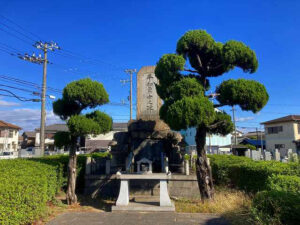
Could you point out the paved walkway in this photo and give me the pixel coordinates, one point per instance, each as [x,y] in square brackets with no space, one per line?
[136,218]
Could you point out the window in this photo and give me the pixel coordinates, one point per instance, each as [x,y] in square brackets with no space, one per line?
[11,133]
[274,130]
[298,128]
[279,146]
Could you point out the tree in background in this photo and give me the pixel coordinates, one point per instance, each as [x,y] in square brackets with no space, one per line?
[78,96]
[184,91]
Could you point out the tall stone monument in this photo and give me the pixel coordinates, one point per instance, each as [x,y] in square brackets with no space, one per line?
[148,102]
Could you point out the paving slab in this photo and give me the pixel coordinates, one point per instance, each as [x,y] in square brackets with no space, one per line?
[136,218]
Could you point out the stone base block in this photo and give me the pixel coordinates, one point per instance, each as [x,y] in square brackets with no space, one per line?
[142,207]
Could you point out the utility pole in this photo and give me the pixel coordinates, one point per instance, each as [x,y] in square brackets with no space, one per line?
[233,117]
[44,47]
[130,72]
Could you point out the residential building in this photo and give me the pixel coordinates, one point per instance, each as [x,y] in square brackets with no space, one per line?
[101,142]
[50,131]
[9,137]
[28,139]
[283,133]
[213,141]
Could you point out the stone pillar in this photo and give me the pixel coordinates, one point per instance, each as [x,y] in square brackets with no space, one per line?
[107,167]
[123,199]
[164,195]
[186,167]
[88,165]
[166,164]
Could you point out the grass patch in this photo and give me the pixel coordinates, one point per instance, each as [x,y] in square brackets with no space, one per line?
[234,205]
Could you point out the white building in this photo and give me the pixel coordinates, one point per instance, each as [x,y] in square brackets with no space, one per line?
[283,133]
[9,135]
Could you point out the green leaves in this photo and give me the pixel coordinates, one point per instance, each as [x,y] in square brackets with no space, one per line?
[222,124]
[102,119]
[238,54]
[211,58]
[86,93]
[80,125]
[186,87]
[77,96]
[188,112]
[248,94]
[62,139]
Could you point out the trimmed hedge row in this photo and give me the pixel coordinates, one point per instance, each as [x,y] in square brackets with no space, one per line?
[62,161]
[276,207]
[246,174]
[279,183]
[25,187]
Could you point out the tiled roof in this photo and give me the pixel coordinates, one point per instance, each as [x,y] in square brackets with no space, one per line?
[30,134]
[4,124]
[284,119]
[54,128]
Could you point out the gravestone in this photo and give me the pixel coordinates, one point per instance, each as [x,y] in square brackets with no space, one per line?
[276,155]
[148,102]
[267,156]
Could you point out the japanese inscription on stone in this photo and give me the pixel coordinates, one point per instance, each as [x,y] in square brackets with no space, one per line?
[148,102]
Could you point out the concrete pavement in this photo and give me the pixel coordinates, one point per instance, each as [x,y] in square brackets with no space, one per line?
[136,218]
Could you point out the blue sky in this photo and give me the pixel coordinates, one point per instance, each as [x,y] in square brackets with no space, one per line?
[132,34]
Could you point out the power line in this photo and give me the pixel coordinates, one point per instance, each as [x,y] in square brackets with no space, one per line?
[23,99]
[27,83]
[22,28]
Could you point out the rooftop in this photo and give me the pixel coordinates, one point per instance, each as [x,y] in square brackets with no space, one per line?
[54,128]
[4,124]
[289,118]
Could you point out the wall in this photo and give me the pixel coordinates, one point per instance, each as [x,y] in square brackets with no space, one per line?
[288,134]
[108,185]
[9,143]
[215,140]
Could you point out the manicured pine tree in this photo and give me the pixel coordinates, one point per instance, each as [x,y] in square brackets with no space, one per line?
[183,85]
[78,96]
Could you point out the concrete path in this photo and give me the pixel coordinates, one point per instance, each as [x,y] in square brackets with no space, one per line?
[136,218]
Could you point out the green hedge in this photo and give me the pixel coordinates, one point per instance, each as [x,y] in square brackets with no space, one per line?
[244,173]
[62,161]
[284,183]
[279,183]
[25,187]
[276,207]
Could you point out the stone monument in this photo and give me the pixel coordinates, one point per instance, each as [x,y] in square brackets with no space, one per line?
[148,102]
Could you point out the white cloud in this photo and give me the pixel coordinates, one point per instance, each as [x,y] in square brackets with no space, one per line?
[243,119]
[28,119]
[8,104]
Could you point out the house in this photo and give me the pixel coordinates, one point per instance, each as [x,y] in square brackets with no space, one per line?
[28,139]
[283,133]
[101,142]
[255,135]
[50,131]
[9,137]
[213,142]
[257,143]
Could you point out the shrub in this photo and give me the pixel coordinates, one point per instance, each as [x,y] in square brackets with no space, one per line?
[247,174]
[25,187]
[62,161]
[276,207]
[284,183]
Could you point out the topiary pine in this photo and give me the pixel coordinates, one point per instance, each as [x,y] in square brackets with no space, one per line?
[78,96]
[184,91]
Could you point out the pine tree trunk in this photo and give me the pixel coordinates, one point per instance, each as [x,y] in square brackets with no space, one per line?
[71,195]
[203,169]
